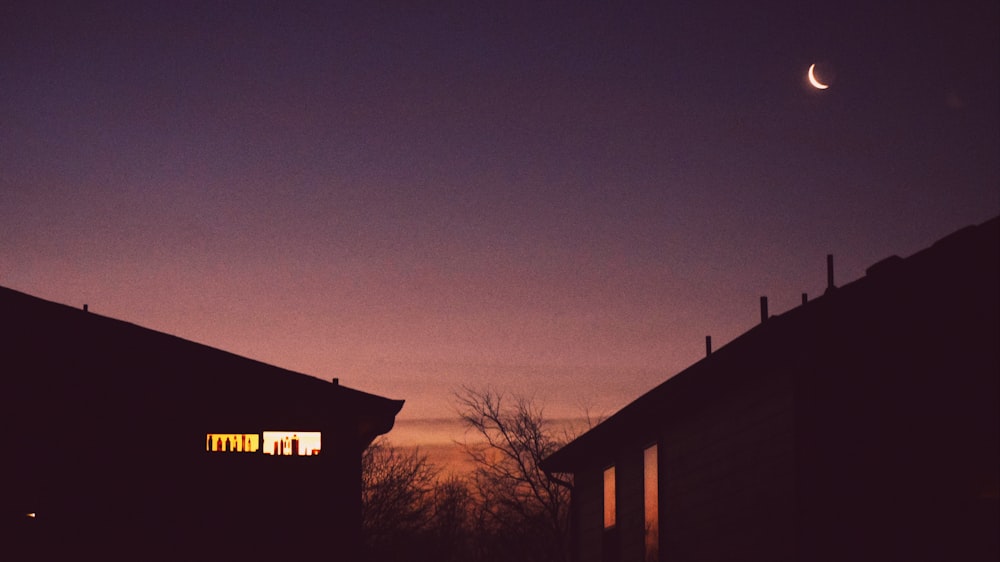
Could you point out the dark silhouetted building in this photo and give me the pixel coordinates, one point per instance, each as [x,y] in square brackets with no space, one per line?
[123,443]
[862,425]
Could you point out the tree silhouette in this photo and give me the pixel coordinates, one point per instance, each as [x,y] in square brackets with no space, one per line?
[396,498]
[411,513]
[450,533]
[507,509]
[522,513]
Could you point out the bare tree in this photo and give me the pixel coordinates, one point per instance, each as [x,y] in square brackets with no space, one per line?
[410,512]
[451,535]
[397,498]
[507,509]
[525,511]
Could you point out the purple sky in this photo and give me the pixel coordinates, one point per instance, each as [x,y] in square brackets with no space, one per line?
[559,199]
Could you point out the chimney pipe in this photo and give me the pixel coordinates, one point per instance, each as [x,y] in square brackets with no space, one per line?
[805,298]
[708,345]
[829,272]
[85,308]
[763,309]
[336,381]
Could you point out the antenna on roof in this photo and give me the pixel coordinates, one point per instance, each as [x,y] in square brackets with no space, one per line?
[829,273]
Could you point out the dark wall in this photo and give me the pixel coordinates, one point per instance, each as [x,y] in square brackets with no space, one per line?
[726,472]
[863,425]
[105,440]
[727,475]
[898,421]
[588,514]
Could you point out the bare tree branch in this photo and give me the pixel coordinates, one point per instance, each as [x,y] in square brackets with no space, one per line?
[515,493]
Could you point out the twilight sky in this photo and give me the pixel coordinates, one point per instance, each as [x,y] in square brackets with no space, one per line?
[555,198]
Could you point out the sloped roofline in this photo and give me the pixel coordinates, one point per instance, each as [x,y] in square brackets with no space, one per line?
[384,408]
[605,436]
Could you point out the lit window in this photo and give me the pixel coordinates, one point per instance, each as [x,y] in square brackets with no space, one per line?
[292,443]
[609,497]
[279,443]
[232,442]
[651,503]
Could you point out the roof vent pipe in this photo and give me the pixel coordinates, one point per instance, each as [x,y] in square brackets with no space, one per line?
[763,309]
[805,298]
[708,345]
[85,308]
[829,273]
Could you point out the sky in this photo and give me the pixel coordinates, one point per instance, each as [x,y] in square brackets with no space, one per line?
[556,199]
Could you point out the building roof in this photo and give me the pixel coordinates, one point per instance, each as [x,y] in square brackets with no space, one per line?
[962,266]
[62,361]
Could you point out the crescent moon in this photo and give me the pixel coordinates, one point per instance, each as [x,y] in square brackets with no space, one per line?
[812,79]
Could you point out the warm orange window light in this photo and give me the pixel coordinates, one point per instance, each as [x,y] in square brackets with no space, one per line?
[609,497]
[232,442]
[292,443]
[651,503]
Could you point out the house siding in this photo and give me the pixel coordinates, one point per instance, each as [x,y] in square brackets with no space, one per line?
[631,506]
[863,425]
[726,482]
[727,477]
[588,505]
[108,427]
